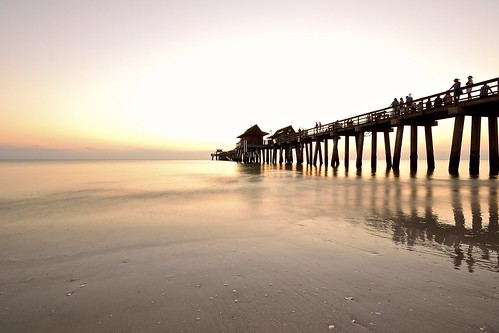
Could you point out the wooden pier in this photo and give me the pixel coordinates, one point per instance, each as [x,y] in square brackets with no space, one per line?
[311,145]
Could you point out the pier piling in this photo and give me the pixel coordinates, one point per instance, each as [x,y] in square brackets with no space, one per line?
[476,123]
[388,152]
[457,139]
[398,147]
[347,151]
[430,155]
[374,150]
[493,146]
[360,148]
[414,148]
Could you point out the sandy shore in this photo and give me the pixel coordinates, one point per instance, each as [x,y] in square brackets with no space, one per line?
[298,277]
[241,255]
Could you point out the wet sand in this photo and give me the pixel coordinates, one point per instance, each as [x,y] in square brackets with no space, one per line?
[211,262]
[241,277]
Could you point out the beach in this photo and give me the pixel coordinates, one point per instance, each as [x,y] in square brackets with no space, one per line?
[211,246]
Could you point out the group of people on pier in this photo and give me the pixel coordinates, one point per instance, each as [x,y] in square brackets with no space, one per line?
[408,106]
[400,107]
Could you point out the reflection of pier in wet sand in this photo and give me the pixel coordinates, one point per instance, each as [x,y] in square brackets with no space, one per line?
[470,238]
[414,222]
[465,227]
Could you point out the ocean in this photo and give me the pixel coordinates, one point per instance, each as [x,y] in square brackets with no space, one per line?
[407,208]
[66,226]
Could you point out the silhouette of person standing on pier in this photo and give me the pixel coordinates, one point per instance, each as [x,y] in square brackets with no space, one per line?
[457,90]
[468,86]
[395,106]
[484,90]
[408,102]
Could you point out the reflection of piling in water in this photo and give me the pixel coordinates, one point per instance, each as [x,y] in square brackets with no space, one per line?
[476,212]
[457,207]
[410,227]
[493,211]
[429,216]
[405,210]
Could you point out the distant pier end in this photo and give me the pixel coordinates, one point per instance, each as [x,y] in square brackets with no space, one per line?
[217,154]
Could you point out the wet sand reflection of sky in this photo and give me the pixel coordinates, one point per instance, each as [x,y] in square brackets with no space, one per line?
[454,217]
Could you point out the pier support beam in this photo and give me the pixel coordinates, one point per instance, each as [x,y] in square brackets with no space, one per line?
[326,158]
[430,155]
[398,147]
[335,159]
[476,123]
[493,146]
[388,151]
[360,147]
[457,139]
[414,148]
[299,153]
[316,153]
[347,151]
[374,150]
[307,152]
[319,145]
[311,153]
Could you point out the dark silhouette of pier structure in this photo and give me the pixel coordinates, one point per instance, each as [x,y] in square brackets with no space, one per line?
[311,145]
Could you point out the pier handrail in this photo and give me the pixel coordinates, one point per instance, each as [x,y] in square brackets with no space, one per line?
[418,106]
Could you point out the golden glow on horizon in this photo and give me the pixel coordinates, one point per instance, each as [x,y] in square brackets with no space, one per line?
[193,81]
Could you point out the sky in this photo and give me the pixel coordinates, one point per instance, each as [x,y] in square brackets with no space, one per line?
[177,79]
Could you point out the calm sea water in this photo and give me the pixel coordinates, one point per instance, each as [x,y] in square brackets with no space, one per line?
[51,208]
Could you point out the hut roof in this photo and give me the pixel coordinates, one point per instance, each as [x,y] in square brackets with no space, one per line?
[253,130]
[284,130]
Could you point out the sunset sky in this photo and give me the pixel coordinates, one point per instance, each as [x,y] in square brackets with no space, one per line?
[180,78]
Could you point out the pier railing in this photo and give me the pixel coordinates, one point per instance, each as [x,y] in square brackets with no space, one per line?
[418,106]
